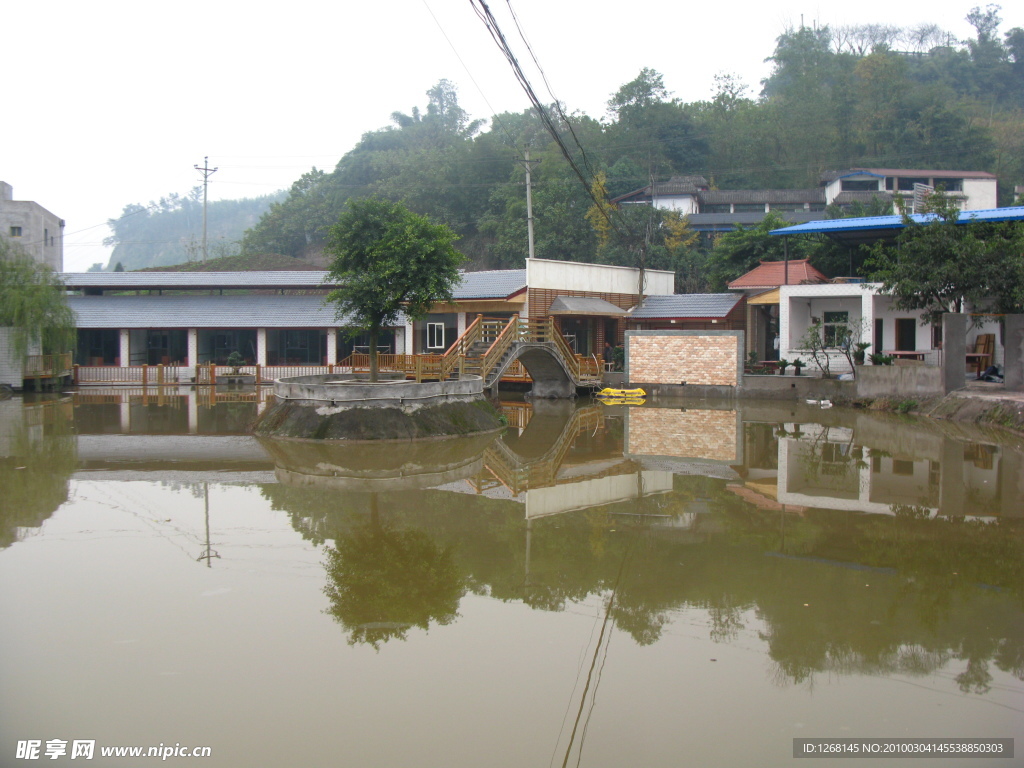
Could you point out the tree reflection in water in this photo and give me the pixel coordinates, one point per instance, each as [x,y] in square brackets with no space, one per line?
[826,591]
[383,581]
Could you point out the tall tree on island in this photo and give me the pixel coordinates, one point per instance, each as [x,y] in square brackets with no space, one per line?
[388,260]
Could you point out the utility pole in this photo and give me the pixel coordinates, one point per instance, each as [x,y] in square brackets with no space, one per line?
[528,164]
[206,170]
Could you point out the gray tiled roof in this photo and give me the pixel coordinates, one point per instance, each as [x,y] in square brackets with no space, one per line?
[203,311]
[689,305]
[584,305]
[763,196]
[677,185]
[131,281]
[492,284]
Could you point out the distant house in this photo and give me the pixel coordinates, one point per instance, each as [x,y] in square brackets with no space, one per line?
[760,286]
[720,210]
[37,231]
[971,190]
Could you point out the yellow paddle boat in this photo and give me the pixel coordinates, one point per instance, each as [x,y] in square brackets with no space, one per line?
[622,400]
[619,393]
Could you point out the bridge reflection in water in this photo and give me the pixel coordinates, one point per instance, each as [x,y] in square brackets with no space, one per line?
[557,456]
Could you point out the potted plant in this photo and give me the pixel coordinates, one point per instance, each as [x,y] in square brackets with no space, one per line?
[798,364]
[235,361]
[752,363]
[783,365]
[858,352]
[877,358]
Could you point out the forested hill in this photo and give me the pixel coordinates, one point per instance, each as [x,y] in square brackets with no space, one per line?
[171,231]
[872,96]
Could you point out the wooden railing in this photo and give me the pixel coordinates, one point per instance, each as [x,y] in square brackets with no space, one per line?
[455,357]
[499,334]
[503,339]
[41,366]
[158,375]
[541,472]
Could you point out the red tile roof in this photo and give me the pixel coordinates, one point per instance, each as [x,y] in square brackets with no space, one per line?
[772,274]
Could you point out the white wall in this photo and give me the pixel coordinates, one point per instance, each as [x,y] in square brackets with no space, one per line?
[42,235]
[981,194]
[11,366]
[596,278]
[798,304]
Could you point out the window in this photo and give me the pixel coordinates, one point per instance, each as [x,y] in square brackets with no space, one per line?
[435,336]
[15,231]
[836,328]
[949,184]
[859,185]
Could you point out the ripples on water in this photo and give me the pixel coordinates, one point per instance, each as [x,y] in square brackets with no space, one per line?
[601,586]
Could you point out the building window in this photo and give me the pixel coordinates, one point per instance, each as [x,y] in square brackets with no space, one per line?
[859,185]
[15,231]
[948,184]
[435,336]
[836,328]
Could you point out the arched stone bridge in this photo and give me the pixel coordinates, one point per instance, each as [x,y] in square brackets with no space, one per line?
[489,347]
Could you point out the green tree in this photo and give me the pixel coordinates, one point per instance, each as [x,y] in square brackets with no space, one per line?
[386,260]
[944,266]
[739,251]
[32,303]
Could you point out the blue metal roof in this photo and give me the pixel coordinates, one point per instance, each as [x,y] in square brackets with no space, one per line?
[878,223]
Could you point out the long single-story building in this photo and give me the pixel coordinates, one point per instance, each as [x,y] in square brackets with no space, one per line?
[189,319]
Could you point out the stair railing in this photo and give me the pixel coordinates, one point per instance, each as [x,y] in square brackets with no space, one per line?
[456,354]
[509,334]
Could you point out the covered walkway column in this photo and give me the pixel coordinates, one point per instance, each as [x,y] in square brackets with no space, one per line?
[332,346]
[124,347]
[192,359]
[261,346]
[408,337]
[866,333]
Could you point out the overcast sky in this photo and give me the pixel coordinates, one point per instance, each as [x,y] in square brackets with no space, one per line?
[112,103]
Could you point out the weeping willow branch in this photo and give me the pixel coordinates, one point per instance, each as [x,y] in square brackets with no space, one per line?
[32,304]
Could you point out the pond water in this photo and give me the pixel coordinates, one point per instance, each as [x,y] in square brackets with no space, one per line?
[599,586]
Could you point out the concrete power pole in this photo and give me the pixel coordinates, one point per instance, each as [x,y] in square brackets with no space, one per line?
[206,170]
[528,164]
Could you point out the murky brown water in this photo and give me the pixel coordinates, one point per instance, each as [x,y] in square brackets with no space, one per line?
[598,587]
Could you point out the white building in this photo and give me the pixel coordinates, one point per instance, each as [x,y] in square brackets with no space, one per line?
[971,190]
[38,232]
[872,317]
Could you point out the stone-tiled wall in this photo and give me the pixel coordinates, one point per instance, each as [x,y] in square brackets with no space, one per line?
[709,358]
[690,434]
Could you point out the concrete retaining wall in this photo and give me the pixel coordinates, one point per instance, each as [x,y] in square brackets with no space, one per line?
[900,381]
[325,407]
[345,389]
